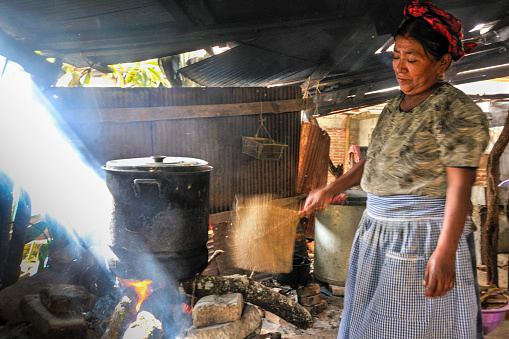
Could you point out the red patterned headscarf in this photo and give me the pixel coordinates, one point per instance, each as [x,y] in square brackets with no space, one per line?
[442,22]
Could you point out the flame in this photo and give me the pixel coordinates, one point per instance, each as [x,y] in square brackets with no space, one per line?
[186,308]
[211,227]
[142,289]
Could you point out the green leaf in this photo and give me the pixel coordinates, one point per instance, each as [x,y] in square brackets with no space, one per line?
[75,80]
[155,74]
[121,81]
[144,80]
[87,79]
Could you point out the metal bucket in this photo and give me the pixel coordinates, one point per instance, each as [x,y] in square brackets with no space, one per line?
[335,229]
[160,210]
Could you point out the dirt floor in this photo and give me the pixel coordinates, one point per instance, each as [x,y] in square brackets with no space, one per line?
[327,323]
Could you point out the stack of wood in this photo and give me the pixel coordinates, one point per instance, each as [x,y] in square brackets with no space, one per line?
[58,310]
[311,298]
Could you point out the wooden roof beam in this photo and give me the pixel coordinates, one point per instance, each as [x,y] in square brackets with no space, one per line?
[217,33]
[176,12]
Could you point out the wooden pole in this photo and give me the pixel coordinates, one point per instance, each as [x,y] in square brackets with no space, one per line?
[492,220]
[347,141]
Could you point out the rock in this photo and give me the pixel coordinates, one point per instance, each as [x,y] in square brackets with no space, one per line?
[271,335]
[61,298]
[255,333]
[11,296]
[52,325]
[239,329]
[218,309]
[337,290]
[146,326]
[274,318]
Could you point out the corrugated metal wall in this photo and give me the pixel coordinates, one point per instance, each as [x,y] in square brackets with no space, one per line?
[216,140]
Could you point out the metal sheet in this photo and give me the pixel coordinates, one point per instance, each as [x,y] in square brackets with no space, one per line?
[216,140]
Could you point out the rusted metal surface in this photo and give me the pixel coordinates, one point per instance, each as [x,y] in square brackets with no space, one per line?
[216,140]
[313,166]
[314,156]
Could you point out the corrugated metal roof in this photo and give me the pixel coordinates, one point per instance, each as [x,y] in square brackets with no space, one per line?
[246,66]
[281,58]
[281,42]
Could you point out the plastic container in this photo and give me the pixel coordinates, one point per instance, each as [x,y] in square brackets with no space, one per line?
[492,318]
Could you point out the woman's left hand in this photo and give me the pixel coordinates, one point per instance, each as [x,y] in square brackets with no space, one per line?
[440,273]
[441,269]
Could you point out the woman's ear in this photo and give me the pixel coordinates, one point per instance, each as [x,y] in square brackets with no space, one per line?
[445,62]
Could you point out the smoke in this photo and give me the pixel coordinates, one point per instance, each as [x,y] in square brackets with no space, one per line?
[40,153]
[40,158]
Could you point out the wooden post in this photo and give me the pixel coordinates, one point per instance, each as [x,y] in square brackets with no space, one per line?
[492,222]
[347,141]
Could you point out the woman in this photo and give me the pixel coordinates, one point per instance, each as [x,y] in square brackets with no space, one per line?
[412,267]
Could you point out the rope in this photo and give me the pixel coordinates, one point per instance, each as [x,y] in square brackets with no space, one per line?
[262,120]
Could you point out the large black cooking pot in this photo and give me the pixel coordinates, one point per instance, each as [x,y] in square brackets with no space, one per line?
[160,208]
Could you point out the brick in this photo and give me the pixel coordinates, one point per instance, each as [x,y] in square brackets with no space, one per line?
[309,290]
[52,325]
[218,309]
[311,300]
[337,290]
[318,308]
[241,328]
[275,319]
[271,335]
[60,298]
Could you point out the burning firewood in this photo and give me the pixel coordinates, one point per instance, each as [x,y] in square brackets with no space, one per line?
[252,292]
[121,312]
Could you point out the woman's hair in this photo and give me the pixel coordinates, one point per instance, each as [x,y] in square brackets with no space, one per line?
[437,31]
[433,43]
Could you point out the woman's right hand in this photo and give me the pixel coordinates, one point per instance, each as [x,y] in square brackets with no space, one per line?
[317,200]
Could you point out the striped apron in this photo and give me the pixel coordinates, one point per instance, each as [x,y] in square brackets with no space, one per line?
[384,295]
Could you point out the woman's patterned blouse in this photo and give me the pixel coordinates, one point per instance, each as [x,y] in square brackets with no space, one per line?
[409,151]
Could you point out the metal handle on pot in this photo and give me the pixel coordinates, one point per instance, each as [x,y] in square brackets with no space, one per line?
[138,182]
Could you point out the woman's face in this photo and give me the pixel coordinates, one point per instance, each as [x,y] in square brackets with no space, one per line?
[415,71]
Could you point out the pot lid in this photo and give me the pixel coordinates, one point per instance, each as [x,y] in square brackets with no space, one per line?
[158,163]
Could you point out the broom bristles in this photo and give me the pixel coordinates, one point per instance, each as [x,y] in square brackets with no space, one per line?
[263,235]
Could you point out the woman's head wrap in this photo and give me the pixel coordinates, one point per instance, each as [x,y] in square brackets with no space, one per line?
[442,22]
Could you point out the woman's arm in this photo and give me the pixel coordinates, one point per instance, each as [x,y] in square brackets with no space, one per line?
[441,269]
[318,199]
